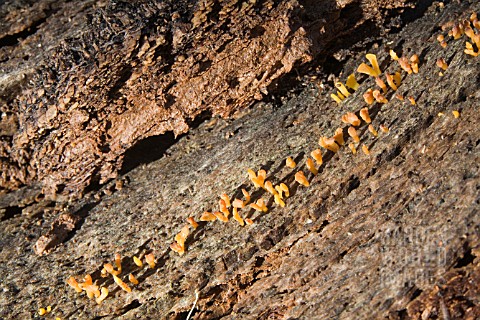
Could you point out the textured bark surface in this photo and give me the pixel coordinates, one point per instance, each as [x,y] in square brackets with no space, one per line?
[394,234]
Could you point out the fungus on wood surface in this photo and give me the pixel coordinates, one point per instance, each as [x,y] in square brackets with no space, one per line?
[352,82]
[132,279]
[329,144]
[352,148]
[365,115]
[341,87]
[351,118]
[192,222]
[379,97]
[150,258]
[368,96]
[365,149]
[300,178]
[290,163]
[384,128]
[381,84]
[352,132]
[237,217]
[72,282]
[220,216]
[208,216]
[137,261]
[311,166]
[121,284]
[338,137]
[390,82]
[102,296]
[317,155]
[372,130]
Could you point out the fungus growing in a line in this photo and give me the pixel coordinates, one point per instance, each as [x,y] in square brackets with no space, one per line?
[338,137]
[381,84]
[285,190]
[248,221]
[192,222]
[390,82]
[259,205]
[300,178]
[177,248]
[237,216]
[150,258]
[365,149]
[365,115]
[74,284]
[42,311]
[89,287]
[353,133]
[397,78]
[372,130]
[456,114]
[137,261]
[317,155]
[311,166]
[366,69]
[290,163]
[342,89]
[351,118]
[352,148]
[470,50]
[132,279]
[441,63]
[122,284]
[257,180]
[399,96]
[102,296]
[352,82]
[380,98]
[368,96]
[338,99]
[208,216]
[329,144]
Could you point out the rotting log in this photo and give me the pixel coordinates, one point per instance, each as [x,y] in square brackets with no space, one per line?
[84,81]
[394,234]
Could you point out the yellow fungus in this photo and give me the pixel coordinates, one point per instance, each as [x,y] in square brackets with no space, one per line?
[456,114]
[132,279]
[342,89]
[208,216]
[365,115]
[399,96]
[137,261]
[300,178]
[412,100]
[74,284]
[255,180]
[226,198]
[121,284]
[441,63]
[352,82]
[237,217]
[317,155]
[456,32]
[336,98]
[192,222]
[441,114]
[373,61]
[365,149]
[329,144]
[278,200]
[261,176]
[352,132]
[49,309]
[351,118]
[469,50]
[249,221]
[269,187]
[118,262]
[393,55]
[368,96]
[390,82]
[372,130]
[380,98]
[397,78]
[384,128]
[352,148]
[338,137]
[42,311]
[311,166]
[102,296]
[110,269]
[366,69]
[340,95]
[237,203]
[284,188]
[405,65]
[381,84]
[223,207]
[414,63]
[220,216]
[279,191]
[290,163]
[246,195]
[150,258]
[177,248]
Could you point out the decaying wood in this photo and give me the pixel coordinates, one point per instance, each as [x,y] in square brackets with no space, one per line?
[393,234]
